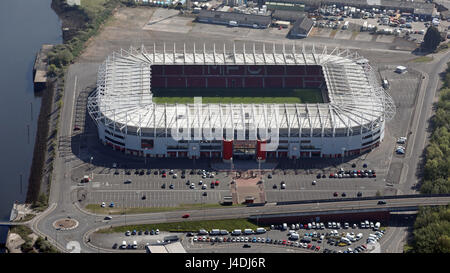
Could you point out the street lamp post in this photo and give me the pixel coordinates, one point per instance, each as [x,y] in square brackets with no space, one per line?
[231,166]
[92,169]
[194,148]
[259,166]
[295,152]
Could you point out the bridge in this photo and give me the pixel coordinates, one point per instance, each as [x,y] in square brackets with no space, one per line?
[350,208]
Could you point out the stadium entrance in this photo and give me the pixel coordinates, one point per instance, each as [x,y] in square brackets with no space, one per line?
[244,149]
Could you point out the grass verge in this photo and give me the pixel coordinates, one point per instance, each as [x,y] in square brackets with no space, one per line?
[423,59]
[187,226]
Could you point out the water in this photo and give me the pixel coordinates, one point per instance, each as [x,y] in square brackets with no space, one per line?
[24,26]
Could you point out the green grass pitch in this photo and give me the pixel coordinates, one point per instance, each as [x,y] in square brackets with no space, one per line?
[237,95]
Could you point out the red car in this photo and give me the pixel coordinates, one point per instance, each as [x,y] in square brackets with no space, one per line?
[185,216]
[164,175]
[317,248]
[284,242]
[335,194]
[76,128]
[217,182]
[309,246]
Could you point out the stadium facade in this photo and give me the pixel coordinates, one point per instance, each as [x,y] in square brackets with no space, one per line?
[350,120]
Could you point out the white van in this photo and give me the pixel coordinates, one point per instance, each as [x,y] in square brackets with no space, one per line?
[123,245]
[236,232]
[224,232]
[261,230]
[377,225]
[345,240]
[294,236]
[284,226]
[248,231]
[214,232]
[359,236]
[134,246]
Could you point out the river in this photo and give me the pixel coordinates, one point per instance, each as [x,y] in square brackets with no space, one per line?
[24,26]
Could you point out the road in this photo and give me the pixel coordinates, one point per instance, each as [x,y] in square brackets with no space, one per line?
[62,205]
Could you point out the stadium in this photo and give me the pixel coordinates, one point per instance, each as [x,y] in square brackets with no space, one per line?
[255,104]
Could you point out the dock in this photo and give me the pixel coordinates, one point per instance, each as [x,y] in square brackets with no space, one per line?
[40,68]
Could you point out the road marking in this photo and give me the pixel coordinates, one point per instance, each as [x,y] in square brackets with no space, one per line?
[73,102]
[74,247]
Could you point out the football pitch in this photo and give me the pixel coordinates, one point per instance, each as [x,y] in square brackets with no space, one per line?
[237,95]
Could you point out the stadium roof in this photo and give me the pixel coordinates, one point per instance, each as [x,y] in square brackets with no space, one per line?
[123,99]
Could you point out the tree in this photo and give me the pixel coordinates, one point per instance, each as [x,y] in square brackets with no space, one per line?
[432,39]
[52,70]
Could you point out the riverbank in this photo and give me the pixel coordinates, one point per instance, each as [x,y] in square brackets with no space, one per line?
[78,25]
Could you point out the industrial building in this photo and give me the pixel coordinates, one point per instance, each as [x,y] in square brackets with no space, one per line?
[287,15]
[234,19]
[301,28]
[421,9]
[350,120]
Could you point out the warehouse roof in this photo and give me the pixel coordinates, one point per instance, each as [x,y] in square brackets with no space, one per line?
[302,26]
[287,15]
[225,17]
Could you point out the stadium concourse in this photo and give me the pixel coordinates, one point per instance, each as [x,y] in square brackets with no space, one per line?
[349,120]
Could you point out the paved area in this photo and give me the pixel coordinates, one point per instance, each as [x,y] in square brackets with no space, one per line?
[107,241]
